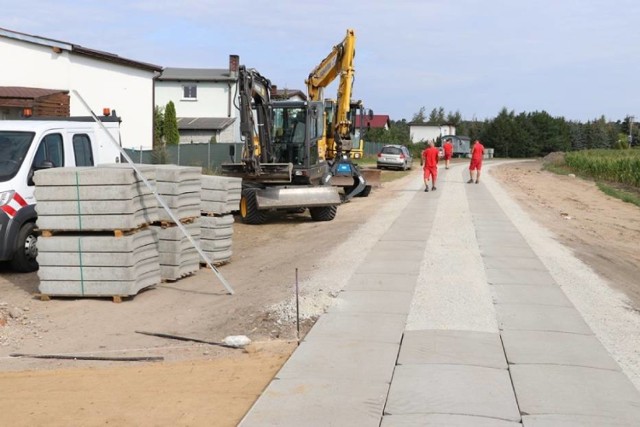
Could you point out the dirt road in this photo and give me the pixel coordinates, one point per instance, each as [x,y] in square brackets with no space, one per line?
[208,385]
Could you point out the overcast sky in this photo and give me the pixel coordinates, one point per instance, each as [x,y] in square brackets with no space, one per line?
[577,59]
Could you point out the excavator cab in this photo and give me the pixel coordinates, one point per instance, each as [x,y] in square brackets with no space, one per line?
[297,130]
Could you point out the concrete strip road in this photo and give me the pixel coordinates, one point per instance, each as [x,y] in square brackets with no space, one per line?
[456,317]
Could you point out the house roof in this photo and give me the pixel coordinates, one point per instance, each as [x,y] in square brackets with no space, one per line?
[378,121]
[289,93]
[430,124]
[78,50]
[27,92]
[204,123]
[196,74]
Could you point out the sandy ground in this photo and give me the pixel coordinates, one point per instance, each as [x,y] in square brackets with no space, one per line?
[198,384]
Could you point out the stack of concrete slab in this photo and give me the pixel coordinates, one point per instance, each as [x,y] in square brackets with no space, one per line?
[178,256]
[95,238]
[90,199]
[216,234]
[220,194]
[220,197]
[179,187]
[97,265]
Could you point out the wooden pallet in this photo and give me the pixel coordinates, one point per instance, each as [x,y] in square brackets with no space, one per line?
[44,297]
[169,224]
[93,232]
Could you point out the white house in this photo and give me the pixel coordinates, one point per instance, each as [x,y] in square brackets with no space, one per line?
[424,132]
[103,80]
[205,100]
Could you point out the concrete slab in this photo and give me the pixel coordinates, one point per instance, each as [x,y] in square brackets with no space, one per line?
[222,221]
[500,239]
[508,263]
[220,182]
[396,266]
[519,276]
[103,273]
[377,255]
[454,390]
[530,317]
[91,192]
[499,251]
[99,288]
[341,360]
[394,245]
[79,176]
[371,327]
[556,348]
[97,259]
[571,421]
[392,302]
[403,233]
[530,294]
[216,233]
[96,207]
[318,403]
[382,282]
[176,188]
[97,222]
[443,420]
[175,173]
[453,348]
[219,257]
[215,245]
[571,390]
[95,243]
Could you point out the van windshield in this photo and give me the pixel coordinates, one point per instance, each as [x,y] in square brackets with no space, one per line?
[13,149]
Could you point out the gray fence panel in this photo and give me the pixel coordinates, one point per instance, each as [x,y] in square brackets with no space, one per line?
[208,156]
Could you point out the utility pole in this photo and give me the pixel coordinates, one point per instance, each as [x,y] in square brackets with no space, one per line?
[630,128]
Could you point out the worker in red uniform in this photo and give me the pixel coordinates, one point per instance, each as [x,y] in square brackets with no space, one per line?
[477,153]
[429,162]
[448,152]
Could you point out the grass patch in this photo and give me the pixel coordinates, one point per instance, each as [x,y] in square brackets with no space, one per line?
[557,169]
[392,175]
[625,194]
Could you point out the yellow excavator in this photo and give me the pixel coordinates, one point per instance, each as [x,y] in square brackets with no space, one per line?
[280,166]
[341,142]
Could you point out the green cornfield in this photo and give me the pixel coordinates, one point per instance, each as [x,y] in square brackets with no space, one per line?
[622,166]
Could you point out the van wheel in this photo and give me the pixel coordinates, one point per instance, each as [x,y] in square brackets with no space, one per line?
[249,211]
[323,213]
[24,259]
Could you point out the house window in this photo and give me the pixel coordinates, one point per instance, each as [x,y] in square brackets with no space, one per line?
[190,92]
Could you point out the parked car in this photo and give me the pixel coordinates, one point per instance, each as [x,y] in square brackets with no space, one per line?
[394,156]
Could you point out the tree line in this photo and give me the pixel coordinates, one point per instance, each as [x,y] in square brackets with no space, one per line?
[528,134]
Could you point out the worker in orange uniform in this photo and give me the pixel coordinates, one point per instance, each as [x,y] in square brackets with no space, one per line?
[477,153]
[429,162]
[448,152]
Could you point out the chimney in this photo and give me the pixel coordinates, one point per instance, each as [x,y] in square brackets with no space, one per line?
[234,62]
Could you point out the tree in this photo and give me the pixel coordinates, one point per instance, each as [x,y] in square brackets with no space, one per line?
[420,116]
[170,128]
[158,125]
[437,116]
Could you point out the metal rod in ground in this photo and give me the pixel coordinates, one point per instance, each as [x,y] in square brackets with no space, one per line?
[179,338]
[297,308]
[108,359]
[157,196]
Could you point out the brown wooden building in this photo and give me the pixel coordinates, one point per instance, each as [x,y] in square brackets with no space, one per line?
[41,102]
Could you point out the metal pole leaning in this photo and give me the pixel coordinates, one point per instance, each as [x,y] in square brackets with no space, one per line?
[157,196]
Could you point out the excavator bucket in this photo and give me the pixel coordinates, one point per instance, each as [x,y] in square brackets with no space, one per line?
[297,197]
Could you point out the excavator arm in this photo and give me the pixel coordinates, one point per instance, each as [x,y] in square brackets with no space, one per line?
[339,62]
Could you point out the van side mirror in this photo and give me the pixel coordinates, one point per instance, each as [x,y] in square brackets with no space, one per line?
[45,164]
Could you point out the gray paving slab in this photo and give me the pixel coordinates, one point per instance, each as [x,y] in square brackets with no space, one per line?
[382,282]
[318,403]
[443,420]
[341,360]
[397,302]
[371,327]
[503,251]
[512,262]
[572,421]
[500,239]
[404,233]
[572,390]
[398,266]
[556,348]
[530,294]
[532,317]
[519,276]
[377,255]
[454,390]
[452,347]
[410,244]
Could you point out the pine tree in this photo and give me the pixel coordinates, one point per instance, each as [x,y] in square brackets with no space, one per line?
[170,129]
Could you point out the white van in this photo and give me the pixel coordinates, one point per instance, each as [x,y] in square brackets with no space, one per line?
[27,145]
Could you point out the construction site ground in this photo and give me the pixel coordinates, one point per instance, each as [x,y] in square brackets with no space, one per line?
[200,384]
